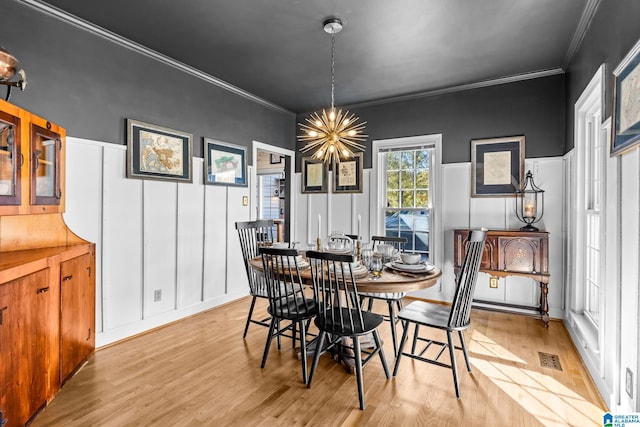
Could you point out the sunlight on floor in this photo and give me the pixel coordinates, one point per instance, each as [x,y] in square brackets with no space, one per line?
[542,396]
[484,345]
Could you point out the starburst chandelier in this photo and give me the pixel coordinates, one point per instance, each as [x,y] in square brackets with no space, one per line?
[333,134]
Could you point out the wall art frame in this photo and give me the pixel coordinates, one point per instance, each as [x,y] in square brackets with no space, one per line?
[157,152]
[497,166]
[347,175]
[314,176]
[225,163]
[625,129]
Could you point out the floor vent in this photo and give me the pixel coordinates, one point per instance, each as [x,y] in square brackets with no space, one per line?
[550,361]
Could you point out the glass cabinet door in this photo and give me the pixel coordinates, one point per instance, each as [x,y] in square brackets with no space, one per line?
[10,159]
[45,165]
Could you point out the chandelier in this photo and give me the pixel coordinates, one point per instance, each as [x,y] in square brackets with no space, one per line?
[333,134]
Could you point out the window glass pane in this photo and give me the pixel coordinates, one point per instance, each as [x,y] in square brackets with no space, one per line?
[393,180]
[407,159]
[422,159]
[407,199]
[393,161]
[7,156]
[45,153]
[393,199]
[407,179]
[422,179]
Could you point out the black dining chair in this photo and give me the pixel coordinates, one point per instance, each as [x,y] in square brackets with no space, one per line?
[455,318]
[287,301]
[341,316]
[393,299]
[253,234]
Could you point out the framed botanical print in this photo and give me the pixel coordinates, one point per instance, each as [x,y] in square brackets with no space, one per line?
[225,164]
[156,152]
[497,166]
[314,175]
[347,175]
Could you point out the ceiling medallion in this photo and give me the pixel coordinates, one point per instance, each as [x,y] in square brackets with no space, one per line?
[332,134]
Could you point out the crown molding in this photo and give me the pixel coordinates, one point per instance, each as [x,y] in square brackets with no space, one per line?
[143,50]
[460,88]
[588,13]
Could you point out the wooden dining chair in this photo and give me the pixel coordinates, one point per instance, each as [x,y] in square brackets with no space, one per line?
[253,234]
[287,301]
[455,318]
[393,299]
[341,316]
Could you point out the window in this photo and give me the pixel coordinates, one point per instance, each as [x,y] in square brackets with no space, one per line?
[407,174]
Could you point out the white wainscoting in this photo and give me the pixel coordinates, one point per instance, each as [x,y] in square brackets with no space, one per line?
[178,238]
[459,210]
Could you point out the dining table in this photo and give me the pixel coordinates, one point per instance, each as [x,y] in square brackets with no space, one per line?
[392,280]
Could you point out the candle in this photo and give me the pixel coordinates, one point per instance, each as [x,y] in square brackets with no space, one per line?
[319,227]
[359,224]
[529,210]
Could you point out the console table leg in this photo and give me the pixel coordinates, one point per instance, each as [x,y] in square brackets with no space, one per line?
[544,304]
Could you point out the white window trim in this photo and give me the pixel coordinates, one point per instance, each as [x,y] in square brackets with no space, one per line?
[436,235]
[588,105]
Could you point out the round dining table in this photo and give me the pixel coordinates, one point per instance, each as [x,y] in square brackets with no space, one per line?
[391,280]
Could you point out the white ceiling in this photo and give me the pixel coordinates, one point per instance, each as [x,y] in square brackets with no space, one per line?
[278,51]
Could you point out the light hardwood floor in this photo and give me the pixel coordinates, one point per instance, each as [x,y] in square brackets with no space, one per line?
[200,372]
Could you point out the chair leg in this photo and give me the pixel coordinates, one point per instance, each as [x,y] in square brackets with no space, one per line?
[415,338]
[392,321]
[267,346]
[303,351]
[464,350]
[316,356]
[246,326]
[383,359]
[357,357]
[403,341]
[454,368]
[293,333]
[278,335]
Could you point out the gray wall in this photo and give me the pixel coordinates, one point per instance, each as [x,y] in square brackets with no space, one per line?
[90,85]
[613,32]
[534,108]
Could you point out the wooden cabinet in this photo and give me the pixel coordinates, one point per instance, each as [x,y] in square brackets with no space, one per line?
[32,162]
[45,322]
[47,285]
[24,346]
[511,253]
[77,313]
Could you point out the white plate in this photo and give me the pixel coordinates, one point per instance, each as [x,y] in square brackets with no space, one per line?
[413,268]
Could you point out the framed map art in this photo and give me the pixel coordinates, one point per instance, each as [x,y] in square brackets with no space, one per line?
[156,152]
[347,175]
[626,103]
[497,166]
[225,164]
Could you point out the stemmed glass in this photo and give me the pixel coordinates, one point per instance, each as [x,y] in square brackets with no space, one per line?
[366,256]
[376,267]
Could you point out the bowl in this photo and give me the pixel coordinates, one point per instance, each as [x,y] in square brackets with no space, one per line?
[408,258]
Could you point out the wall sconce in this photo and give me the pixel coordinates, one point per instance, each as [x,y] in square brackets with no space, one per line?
[529,203]
[8,67]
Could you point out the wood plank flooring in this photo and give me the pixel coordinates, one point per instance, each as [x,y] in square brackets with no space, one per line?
[200,372]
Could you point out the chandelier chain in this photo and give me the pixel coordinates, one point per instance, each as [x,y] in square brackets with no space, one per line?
[333,54]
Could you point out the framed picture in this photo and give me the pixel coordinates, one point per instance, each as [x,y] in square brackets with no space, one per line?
[347,175]
[314,175]
[275,159]
[497,166]
[626,103]
[156,152]
[225,164]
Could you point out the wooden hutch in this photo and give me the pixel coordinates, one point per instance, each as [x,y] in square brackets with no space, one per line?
[47,280]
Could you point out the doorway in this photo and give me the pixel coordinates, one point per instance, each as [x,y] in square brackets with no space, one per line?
[271,193]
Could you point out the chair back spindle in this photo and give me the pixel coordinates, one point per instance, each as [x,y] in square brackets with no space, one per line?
[465,287]
[254,234]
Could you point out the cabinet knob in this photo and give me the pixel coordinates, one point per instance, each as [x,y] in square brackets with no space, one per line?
[42,290]
[69,277]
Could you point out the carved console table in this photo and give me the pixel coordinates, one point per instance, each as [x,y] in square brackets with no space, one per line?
[511,253]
